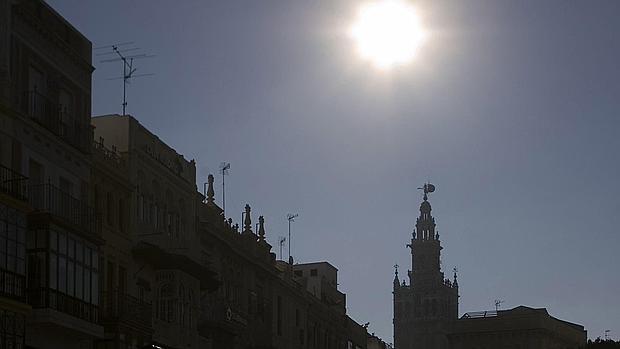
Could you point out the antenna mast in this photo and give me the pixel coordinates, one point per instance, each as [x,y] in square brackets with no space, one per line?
[498,302]
[291,218]
[224,167]
[128,67]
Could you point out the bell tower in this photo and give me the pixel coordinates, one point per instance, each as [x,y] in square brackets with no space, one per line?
[424,310]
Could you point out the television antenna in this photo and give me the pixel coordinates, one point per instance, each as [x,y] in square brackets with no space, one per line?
[128,66]
[281,241]
[498,302]
[224,168]
[291,218]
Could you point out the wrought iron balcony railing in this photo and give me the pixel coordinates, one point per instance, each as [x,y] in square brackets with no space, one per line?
[12,285]
[119,307]
[13,183]
[46,198]
[52,116]
[41,298]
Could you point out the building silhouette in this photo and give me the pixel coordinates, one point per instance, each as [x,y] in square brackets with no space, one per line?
[426,309]
[105,241]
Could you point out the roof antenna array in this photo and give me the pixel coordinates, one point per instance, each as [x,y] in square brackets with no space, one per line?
[498,303]
[129,70]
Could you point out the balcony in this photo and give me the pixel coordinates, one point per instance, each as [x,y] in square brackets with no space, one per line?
[47,298]
[12,285]
[47,199]
[13,184]
[50,114]
[123,309]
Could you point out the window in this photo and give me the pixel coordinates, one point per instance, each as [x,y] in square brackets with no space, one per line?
[121,215]
[140,206]
[12,239]
[12,331]
[190,310]
[182,305]
[36,173]
[109,208]
[65,186]
[313,272]
[165,303]
[12,251]
[279,315]
[72,266]
[156,216]
[299,273]
[65,101]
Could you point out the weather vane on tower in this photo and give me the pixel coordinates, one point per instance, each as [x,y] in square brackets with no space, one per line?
[427,188]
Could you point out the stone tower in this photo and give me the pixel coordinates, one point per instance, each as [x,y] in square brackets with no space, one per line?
[424,310]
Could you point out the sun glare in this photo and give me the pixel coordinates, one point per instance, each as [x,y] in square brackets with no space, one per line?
[387,32]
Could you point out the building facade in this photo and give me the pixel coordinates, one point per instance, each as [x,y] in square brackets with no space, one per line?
[520,327]
[426,309]
[153,278]
[50,262]
[105,241]
[263,302]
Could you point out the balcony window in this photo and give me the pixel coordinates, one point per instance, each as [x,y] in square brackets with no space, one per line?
[72,267]
[12,252]
[165,306]
[12,331]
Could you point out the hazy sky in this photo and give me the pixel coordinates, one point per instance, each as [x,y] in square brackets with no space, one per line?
[512,108]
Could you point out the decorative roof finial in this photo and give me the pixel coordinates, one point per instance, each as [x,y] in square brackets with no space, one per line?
[247,222]
[210,191]
[396,282]
[455,282]
[261,228]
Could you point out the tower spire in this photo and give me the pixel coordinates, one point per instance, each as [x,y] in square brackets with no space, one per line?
[396,282]
[455,282]
[425,224]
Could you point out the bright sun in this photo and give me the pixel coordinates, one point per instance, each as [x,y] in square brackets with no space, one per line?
[387,32]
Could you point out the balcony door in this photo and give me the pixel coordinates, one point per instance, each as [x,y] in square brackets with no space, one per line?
[36,93]
[67,122]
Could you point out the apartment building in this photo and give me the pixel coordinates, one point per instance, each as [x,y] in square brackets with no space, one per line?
[50,228]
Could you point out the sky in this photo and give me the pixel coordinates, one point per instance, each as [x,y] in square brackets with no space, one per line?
[511,108]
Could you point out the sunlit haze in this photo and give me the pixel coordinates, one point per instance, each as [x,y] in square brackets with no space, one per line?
[387,32]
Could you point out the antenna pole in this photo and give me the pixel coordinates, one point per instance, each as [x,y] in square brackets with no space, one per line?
[291,218]
[224,167]
[124,85]
[128,69]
